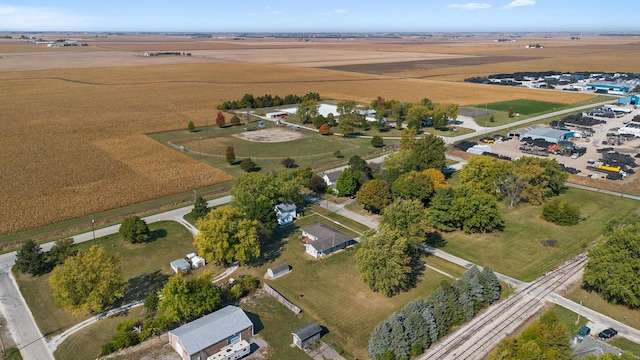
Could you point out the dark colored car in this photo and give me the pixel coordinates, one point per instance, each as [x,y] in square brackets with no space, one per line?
[607,334]
[583,332]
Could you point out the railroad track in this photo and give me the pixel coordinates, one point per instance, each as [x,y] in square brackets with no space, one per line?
[476,338]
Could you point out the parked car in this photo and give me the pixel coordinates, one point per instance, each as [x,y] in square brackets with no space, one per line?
[607,334]
[583,332]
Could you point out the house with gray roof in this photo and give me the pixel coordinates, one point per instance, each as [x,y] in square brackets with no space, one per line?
[321,240]
[286,212]
[209,334]
[331,178]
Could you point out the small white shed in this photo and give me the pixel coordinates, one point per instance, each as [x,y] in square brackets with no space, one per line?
[180,265]
[278,270]
[197,261]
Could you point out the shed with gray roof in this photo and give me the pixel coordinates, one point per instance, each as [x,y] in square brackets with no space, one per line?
[207,335]
[306,335]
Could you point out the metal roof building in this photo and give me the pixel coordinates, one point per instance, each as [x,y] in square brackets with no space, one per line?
[207,335]
[549,135]
[306,335]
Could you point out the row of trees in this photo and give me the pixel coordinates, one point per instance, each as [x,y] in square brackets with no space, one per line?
[528,179]
[416,115]
[268,100]
[30,259]
[614,265]
[422,322]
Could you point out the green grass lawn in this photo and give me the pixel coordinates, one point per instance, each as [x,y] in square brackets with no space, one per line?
[517,250]
[145,266]
[330,292]
[568,318]
[526,107]
[87,343]
[625,345]
[593,301]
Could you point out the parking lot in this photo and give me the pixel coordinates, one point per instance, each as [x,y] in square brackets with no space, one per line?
[592,345]
[592,144]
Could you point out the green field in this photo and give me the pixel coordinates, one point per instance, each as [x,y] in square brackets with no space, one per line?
[526,107]
[315,150]
[521,255]
[145,266]
[330,292]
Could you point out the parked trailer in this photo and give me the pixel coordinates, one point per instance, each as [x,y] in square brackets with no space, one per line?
[232,352]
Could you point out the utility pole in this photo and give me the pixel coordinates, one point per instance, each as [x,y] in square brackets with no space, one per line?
[93,229]
[195,196]
[199,148]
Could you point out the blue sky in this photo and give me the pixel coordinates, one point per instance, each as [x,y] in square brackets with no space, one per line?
[318,16]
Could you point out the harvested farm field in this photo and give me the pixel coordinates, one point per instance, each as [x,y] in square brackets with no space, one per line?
[75,119]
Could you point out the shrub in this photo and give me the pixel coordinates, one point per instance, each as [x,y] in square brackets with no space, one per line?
[230,155]
[135,230]
[235,120]
[561,212]
[377,141]
[191,126]
[338,154]
[325,129]
[247,165]
[289,163]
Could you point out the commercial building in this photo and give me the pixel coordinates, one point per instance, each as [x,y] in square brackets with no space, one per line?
[549,135]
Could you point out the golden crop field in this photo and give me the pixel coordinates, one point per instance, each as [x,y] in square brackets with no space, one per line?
[73,139]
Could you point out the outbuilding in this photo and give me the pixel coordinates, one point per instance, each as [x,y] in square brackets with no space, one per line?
[212,333]
[613,88]
[180,265]
[277,115]
[306,335]
[550,135]
[278,270]
[629,100]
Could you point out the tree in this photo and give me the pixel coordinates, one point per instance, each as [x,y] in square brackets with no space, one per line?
[134,230]
[417,116]
[325,129]
[247,165]
[375,195]
[486,173]
[439,215]
[317,184]
[61,250]
[185,300]
[561,212]
[226,235]
[256,195]
[407,138]
[357,164]
[191,126]
[551,181]
[318,121]
[338,154]
[89,282]
[235,120]
[230,155]
[307,110]
[348,182]
[612,270]
[200,208]
[437,178]
[408,217]
[377,141]
[288,163]
[383,262]
[475,211]
[427,153]
[30,259]
[414,186]
[511,114]
[220,120]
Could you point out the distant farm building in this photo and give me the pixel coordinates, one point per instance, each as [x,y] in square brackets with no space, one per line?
[212,335]
[278,270]
[549,135]
[323,109]
[321,240]
[612,88]
[629,100]
[277,115]
[306,335]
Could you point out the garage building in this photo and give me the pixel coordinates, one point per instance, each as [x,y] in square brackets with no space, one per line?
[549,135]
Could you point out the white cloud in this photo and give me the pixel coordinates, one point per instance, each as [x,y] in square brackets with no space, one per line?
[276,12]
[470,6]
[40,18]
[340,11]
[519,3]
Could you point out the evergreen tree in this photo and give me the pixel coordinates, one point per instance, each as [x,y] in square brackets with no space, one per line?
[380,340]
[490,284]
[200,208]
[30,259]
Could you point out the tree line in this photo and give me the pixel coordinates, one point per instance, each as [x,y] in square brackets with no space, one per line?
[422,322]
[267,100]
